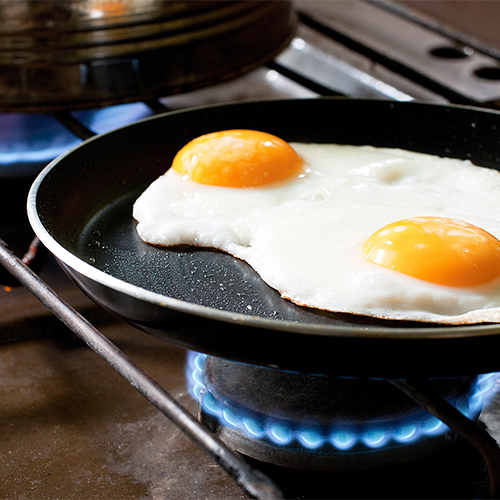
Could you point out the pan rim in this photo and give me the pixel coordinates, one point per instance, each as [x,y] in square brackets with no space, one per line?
[438,332]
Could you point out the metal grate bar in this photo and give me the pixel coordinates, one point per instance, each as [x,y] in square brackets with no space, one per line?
[81,131]
[463,426]
[156,106]
[385,61]
[303,80]
[73,125]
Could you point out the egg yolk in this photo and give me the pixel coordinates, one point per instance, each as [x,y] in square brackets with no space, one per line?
[237,158]
[438,250]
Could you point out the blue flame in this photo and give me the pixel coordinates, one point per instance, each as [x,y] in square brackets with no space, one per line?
[342,439]
[29,141]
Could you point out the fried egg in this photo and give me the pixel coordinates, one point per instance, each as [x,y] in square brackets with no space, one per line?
[381,232]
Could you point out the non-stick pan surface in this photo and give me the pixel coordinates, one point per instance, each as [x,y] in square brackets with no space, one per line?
[80,207]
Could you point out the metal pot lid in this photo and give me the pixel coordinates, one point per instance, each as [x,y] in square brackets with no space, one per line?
[90,53]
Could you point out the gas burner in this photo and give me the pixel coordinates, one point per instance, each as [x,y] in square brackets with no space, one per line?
[317,422]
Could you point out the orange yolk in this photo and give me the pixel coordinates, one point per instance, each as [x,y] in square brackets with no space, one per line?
[439,250]
[237,158]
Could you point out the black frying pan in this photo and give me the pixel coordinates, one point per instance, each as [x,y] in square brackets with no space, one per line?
[80,207]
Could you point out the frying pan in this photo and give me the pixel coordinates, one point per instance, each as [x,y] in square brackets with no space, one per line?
[80,208]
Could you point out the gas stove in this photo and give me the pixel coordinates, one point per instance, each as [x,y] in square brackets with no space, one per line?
[73,428]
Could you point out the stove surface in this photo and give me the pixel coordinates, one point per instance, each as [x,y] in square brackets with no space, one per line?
[72,428]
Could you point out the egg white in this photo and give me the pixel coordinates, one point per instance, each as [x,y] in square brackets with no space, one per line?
[305,237]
